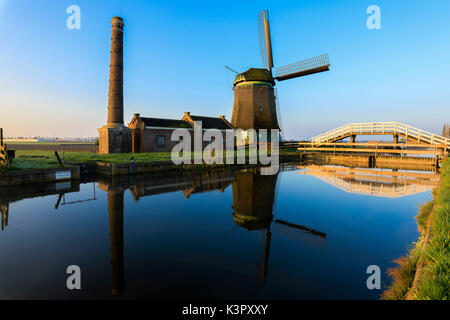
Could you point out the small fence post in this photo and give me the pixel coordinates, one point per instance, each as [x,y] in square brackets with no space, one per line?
[6,157]
[1,137]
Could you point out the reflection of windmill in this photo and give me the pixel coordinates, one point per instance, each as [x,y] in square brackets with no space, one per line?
[254,98]
[253,203]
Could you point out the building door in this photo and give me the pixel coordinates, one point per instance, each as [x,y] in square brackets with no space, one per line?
[136,141]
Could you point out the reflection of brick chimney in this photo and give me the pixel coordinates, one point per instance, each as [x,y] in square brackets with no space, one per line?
[115,98]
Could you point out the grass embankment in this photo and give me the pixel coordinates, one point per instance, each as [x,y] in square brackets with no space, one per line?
[424,274]
[41,159]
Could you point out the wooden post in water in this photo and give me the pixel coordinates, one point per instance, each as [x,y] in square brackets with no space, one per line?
[59,159]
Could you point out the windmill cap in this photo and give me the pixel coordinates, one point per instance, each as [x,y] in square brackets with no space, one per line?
[254,74]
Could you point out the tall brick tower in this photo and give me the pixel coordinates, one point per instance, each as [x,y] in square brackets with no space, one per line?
[115,137]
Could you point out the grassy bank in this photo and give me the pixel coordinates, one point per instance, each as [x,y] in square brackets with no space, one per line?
[41,159]
[424,274]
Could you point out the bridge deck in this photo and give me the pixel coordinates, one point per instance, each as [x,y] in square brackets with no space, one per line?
[383,128]
[399,149]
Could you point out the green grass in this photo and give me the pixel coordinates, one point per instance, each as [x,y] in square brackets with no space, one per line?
[434,282]
[48,143]
[40,159]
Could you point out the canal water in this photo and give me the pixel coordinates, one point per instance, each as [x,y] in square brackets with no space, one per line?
[309,232]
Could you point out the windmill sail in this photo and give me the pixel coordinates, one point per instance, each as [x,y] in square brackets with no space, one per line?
[303,68]
[265,44]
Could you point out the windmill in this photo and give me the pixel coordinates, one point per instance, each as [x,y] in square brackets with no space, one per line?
[254,99]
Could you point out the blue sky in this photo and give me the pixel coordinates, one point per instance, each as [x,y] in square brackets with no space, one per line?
[54,81]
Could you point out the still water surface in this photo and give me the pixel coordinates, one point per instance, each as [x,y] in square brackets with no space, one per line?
[309,232]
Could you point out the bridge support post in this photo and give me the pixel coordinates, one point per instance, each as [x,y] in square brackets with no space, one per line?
[396,138]
[372,161]
[353,138]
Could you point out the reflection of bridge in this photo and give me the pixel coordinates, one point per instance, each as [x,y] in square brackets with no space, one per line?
[380,183]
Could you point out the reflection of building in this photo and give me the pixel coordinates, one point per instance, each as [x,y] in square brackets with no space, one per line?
[253,199]
[253,204]
[115,209]
[375,182]
[149,185]
[188,184]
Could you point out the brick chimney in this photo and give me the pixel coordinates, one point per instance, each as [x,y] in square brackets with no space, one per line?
[115,97]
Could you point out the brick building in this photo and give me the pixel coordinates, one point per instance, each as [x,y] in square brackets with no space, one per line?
[154,134]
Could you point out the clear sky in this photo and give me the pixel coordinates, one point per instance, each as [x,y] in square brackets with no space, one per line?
[54,81]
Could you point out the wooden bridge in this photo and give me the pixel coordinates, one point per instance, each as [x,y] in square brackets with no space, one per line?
[395,129]
[417,142]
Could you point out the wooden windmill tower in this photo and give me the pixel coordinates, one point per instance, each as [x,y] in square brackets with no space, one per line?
[254,98]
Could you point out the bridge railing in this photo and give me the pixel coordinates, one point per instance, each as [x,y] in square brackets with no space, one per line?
[3,155]
[3,150]
[376,128]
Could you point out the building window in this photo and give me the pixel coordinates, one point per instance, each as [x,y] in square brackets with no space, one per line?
[160,140]
[260,108]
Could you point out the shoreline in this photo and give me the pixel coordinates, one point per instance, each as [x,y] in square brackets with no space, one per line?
[424,273]
[82,170]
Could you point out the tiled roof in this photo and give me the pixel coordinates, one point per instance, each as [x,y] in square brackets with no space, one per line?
[212,123]
[165,123]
